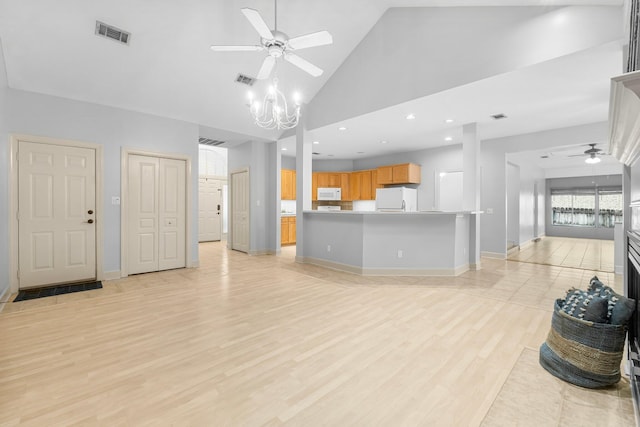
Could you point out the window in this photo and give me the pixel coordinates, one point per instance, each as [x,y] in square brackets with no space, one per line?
[586,207]
[609,207]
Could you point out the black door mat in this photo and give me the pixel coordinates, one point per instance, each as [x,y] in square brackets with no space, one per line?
[50,291]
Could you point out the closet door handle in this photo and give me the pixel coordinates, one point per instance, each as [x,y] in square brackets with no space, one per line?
[90,221]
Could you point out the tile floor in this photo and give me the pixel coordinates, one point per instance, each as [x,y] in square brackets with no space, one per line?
[589,254]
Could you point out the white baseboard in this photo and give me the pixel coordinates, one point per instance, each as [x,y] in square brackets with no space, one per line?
[513,250]
[4,298]
[526,244]
[363,271]
[262,252]
[111,275]
[495,255]
[194,264]
[475,267]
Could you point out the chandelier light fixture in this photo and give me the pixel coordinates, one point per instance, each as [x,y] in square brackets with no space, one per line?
[274,112]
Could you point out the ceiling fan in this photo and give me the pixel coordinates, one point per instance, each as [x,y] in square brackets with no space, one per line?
[278,44]
[592,152]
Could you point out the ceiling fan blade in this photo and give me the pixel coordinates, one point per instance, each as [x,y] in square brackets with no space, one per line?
[258,23]
[303,64]
[320,38]
[267,66]
[218,48]
[578,155]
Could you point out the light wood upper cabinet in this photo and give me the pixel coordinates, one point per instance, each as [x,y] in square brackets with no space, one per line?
[361,185]
[406,173]
[344,185]
[374,183]
[287,184]
[385,175]
[323,179]
[334,180]
[314,186]
[355,182]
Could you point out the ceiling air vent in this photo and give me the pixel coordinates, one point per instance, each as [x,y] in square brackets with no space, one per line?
[245,80]
[498,116]
[212,142]
[316,154]
[112,32]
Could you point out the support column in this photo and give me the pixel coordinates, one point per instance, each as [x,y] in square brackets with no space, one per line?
[303,180]
[471,187]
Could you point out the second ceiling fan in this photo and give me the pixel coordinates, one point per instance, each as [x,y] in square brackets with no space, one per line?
[278,44]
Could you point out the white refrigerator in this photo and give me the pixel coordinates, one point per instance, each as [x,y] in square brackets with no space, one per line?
[397,199]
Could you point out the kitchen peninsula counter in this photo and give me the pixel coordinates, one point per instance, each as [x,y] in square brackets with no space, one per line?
[429,243]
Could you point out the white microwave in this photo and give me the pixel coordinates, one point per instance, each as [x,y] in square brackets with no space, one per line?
[329,194]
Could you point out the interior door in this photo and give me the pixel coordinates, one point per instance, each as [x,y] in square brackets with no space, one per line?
[210,209]
[172,214]
[56,221]
[156,213]
[240,211]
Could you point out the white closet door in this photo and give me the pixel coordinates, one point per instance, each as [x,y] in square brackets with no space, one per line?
[157,214]
[56,203]
[143,214]
[210,210]
[240,211]
[172,218]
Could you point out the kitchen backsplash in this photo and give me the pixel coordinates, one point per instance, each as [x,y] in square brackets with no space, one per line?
[288,206]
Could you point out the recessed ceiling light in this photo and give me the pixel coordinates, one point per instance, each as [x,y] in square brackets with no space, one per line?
[342,128]
[316,142]
[448,121]
[448,138]
[284,149]
[411,116]
[383,142]
[498,116]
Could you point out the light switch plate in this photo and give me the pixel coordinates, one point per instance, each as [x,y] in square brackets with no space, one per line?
[115,200]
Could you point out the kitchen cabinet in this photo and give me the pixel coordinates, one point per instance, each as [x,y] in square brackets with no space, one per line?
[344,185]
[287,230]
[374,183]
[287,184]
[406,173]
[361,186]
[314,186]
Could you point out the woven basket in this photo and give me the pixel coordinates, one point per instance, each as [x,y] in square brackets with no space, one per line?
[583,353]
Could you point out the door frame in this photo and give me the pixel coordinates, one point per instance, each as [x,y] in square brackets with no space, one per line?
[14,142]
[124,200]
[230,207]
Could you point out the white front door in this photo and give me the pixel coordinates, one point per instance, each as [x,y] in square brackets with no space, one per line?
[240,211]
[157,214]
[56,214]
[210,209]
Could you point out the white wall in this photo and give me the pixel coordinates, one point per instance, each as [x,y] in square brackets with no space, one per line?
[113,128]
[260,158]
[530,177]
[4,179]
[513,204]
[474,43]
[338,165]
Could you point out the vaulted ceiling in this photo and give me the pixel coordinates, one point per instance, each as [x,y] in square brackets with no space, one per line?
[543,65]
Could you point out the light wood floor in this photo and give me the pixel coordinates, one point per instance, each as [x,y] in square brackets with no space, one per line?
[590,254]
[250,341]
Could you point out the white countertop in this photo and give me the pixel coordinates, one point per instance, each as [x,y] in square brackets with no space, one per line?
[387,213]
